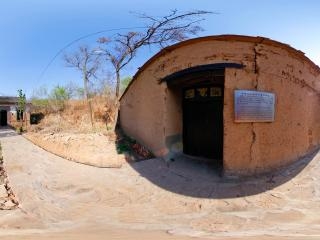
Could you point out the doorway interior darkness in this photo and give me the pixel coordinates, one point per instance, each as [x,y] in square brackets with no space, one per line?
[202,104]
[3,118]
[202,90]
[203,121]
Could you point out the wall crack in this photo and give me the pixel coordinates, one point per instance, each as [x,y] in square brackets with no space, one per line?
[256,66]
[252,141]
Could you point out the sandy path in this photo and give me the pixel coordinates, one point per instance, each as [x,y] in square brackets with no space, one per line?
[65,200]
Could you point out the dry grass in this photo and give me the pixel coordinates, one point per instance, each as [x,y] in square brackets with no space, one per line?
[74,123]
[75,117]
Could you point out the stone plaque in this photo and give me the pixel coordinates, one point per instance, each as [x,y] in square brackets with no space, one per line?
[253,106]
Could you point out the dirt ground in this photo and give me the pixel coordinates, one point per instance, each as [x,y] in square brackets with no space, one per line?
[184,199]
[93,149]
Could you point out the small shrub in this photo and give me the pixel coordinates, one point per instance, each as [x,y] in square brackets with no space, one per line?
[19,130]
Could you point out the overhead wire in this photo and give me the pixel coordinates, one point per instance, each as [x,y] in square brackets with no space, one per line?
[77,40]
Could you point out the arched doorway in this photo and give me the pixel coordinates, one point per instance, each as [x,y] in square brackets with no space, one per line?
[3,118]
[202,101]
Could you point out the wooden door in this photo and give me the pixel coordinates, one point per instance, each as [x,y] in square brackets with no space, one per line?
[203,122]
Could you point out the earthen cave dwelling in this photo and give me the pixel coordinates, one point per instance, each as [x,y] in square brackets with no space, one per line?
[248,104]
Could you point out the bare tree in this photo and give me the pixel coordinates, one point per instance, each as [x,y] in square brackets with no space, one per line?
[87,62]
[160,31]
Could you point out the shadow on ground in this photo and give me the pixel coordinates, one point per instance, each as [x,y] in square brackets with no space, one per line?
[7,132]
[197,179]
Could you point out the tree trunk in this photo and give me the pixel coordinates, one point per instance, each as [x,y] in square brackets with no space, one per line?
[25,120]
[118,84]
[117,103]
[86,95]
[90,111]
[21,121]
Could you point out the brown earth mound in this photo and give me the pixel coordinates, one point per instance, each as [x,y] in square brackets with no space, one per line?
[68,133]
[93,149]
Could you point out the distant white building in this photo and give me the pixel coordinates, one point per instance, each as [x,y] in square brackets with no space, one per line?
[9,112]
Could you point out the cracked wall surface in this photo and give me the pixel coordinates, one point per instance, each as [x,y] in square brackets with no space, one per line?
[296,129]
[152,113]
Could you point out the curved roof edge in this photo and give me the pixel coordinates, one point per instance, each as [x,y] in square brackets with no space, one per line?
[205,67]
[227,37]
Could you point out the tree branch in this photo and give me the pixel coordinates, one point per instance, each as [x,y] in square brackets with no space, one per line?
[161,31]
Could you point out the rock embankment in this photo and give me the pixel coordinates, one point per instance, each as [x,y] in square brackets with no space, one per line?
[7,198]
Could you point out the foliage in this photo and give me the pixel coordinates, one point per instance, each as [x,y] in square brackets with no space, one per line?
[19,130]
[129,146]
[39,99]
[119,50]
[46,101]
[60,93]
[124,83]
[21,101]
[21,106]
[58,96]
[40,104]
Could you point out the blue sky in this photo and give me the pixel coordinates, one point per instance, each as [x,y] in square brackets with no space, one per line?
[33,31]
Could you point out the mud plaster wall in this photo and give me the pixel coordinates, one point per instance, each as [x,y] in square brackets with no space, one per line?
[142,113]
[151,113]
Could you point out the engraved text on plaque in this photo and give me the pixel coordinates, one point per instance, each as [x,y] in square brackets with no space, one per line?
[254,106]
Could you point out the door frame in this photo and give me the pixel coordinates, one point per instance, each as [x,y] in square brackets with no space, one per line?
[198,99]
[213,73]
